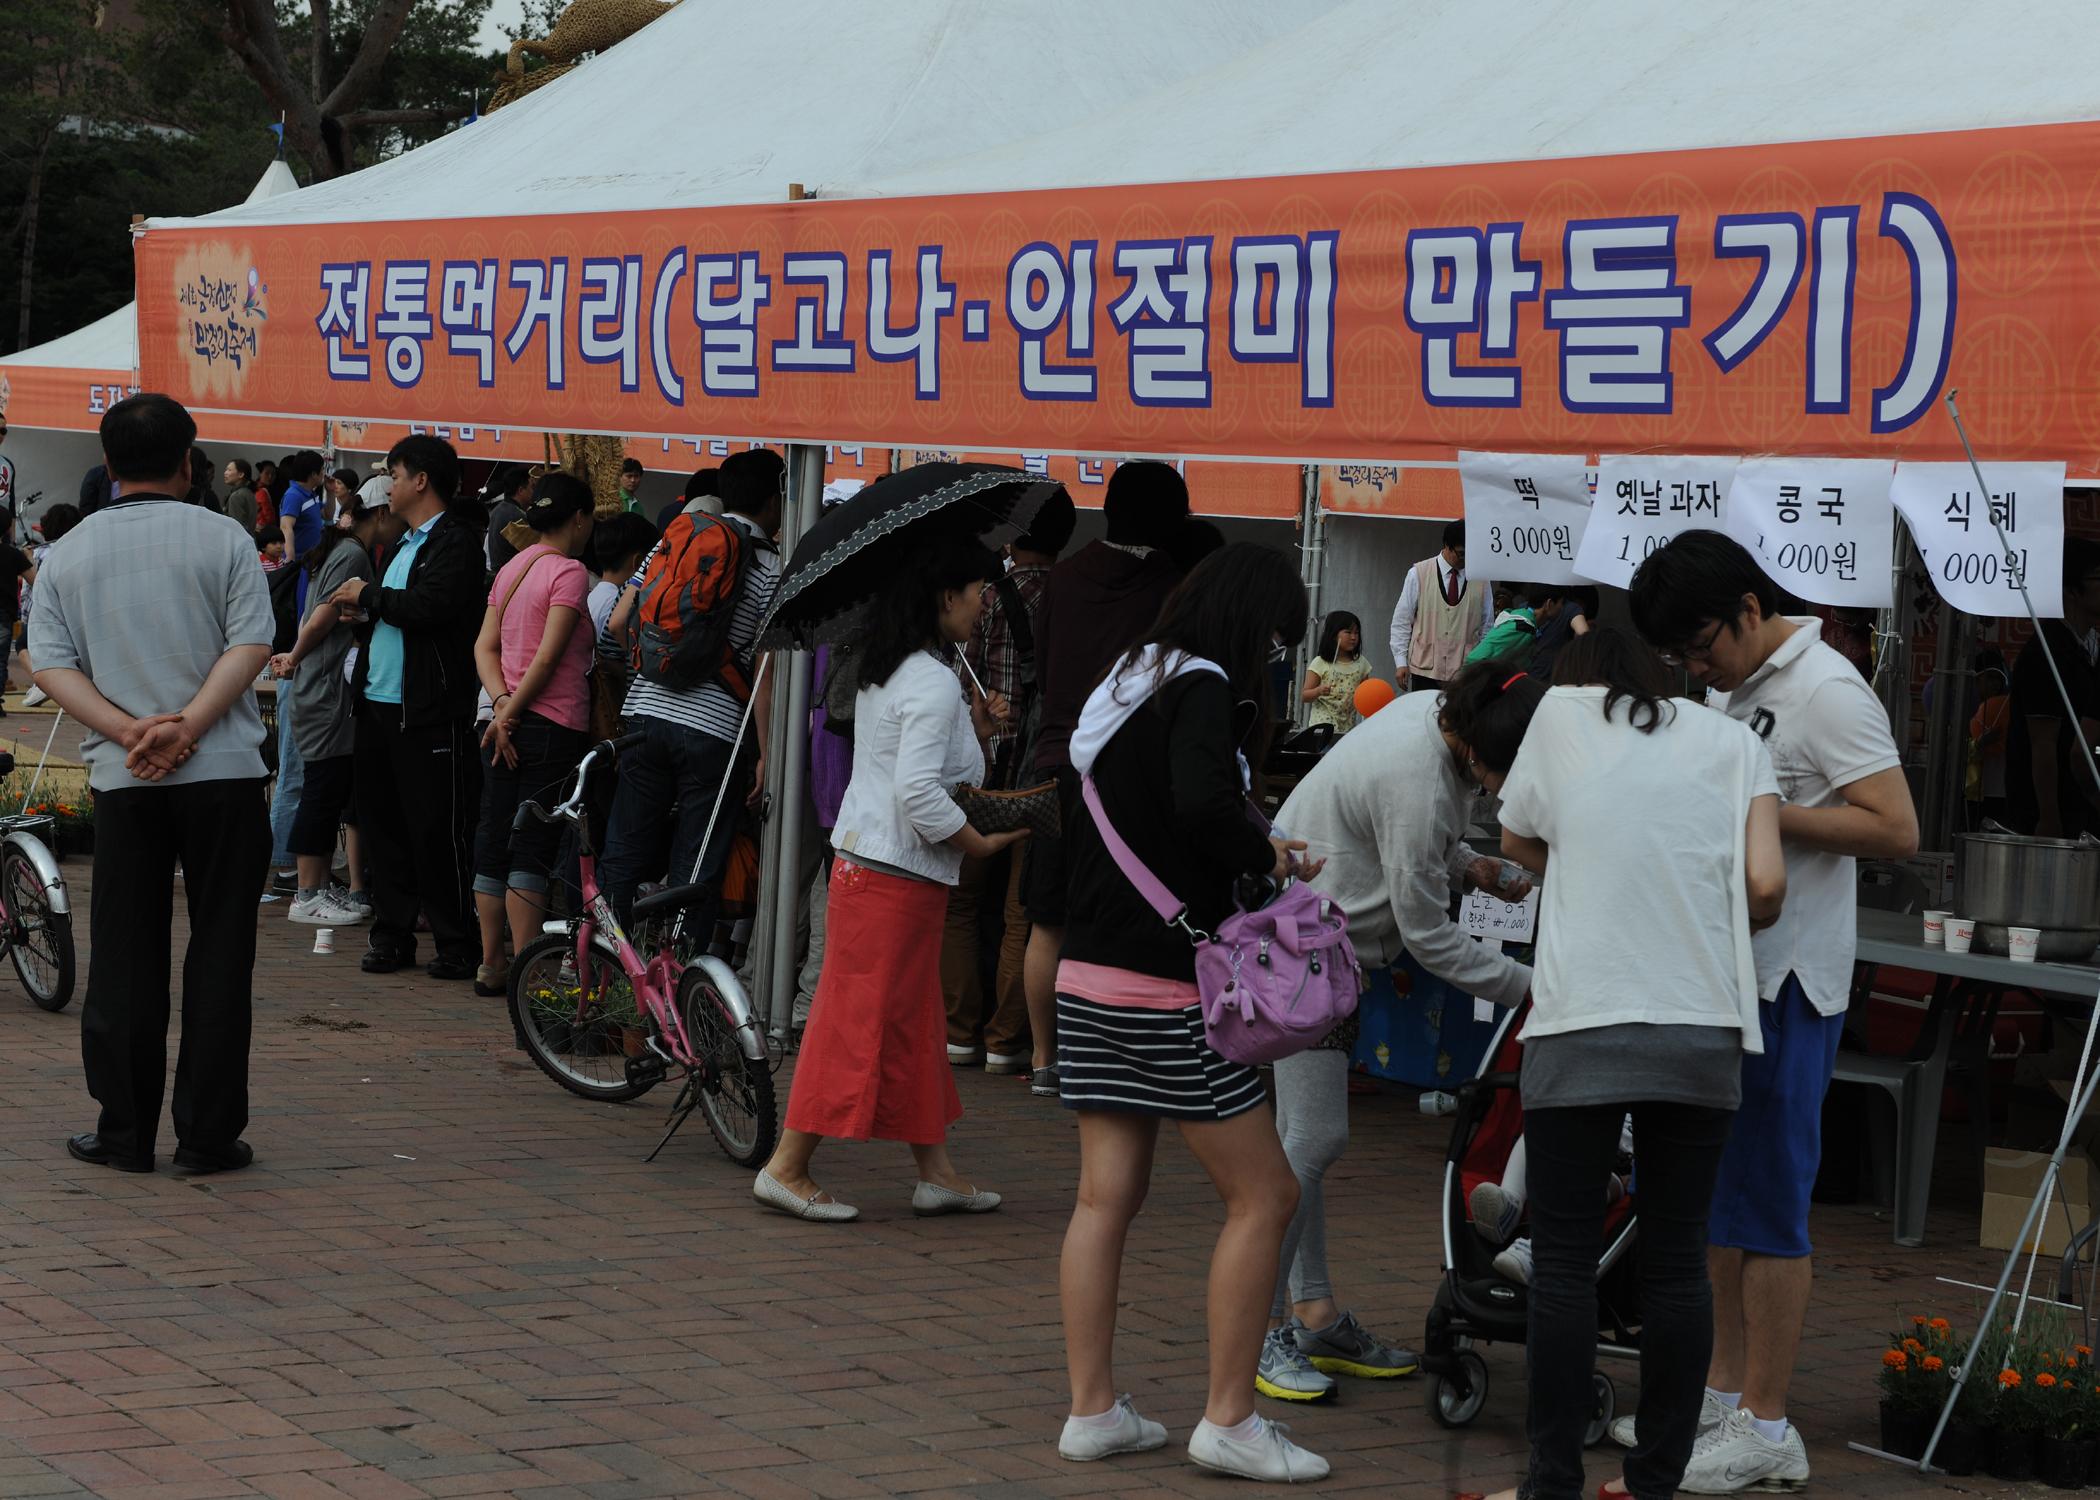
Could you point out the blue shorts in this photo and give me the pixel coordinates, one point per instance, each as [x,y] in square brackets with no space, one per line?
[1769,1167]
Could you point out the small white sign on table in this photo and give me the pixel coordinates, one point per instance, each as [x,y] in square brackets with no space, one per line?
[1525,515]
[1822,528]
[1950,520]
[1483,914]
[1644,501]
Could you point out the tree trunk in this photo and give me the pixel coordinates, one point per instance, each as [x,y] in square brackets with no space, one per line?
[32,207]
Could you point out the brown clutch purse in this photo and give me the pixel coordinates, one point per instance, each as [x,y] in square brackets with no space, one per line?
[1031,807]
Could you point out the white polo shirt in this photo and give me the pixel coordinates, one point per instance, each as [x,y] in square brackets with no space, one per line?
[1824,730]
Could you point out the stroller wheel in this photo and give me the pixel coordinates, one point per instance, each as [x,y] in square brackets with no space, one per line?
[1456,1399]
[1605,1397]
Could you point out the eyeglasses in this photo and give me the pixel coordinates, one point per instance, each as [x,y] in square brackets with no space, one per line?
[1696,651]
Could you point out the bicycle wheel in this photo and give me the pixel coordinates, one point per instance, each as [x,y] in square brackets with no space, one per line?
[737,1097]
[579,1027]
[39,939]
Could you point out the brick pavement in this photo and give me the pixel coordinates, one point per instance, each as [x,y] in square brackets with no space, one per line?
[445,1277]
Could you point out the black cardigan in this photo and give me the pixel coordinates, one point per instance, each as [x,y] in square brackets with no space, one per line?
[438,611]
[1170,782]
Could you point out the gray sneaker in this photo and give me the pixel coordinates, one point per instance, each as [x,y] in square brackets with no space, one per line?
[1349,1348]
[1284,1373]
[1710,1414]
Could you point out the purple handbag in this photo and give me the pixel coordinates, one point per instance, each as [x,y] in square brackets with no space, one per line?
[1274,980]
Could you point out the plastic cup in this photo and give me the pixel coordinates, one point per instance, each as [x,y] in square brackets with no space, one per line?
[324,940]
[1961,932]
[2025,943]
[1935,928]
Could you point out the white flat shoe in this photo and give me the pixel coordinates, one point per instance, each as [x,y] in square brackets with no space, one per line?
[930,1198]
[769,1192]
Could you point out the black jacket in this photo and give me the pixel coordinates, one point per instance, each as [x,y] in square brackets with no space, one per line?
[1170,783]
[438,612]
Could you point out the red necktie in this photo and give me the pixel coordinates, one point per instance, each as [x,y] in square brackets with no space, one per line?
[1452,588]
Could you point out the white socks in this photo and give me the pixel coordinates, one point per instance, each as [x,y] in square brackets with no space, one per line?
[1770,1431]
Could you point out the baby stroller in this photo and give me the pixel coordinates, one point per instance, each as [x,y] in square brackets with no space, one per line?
[1476,1306]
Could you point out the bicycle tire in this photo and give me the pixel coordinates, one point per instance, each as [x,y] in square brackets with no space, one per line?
[738,1102]
[551,1040]
[39,940]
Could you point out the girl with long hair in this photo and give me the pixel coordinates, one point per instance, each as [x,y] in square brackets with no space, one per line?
[1656,824]
[320,704]
[1334,674]
[1166,741]
[874,1062]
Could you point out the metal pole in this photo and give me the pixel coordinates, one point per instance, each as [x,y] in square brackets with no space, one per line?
[1312,568]
[787,770]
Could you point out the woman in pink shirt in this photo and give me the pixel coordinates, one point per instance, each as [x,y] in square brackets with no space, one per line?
[532,654]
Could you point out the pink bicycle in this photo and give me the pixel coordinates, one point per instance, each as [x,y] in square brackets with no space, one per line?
[605,1023]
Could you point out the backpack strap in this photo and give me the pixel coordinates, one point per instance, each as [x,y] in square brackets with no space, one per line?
[1154,890]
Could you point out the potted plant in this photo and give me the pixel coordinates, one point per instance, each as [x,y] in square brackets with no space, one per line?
[1908,1407]
[1961,1444]
[2015,1417]
[2064,1393]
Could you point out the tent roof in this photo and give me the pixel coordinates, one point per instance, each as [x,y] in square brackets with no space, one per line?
[111,341]
[723,102]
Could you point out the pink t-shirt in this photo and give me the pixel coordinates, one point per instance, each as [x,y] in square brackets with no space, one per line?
[551,580]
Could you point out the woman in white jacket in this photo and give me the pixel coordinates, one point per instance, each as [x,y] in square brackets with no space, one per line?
[874,1062]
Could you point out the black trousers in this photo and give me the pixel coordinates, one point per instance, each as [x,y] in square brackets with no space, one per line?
[418,791]
[1676,1156]
[220,833]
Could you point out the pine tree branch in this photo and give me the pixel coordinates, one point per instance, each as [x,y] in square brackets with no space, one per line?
[381,32]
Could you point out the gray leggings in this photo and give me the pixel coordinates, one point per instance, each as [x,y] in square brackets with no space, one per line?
[1312,1115]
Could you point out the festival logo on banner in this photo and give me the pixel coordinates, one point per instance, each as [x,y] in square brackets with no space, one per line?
[224,305]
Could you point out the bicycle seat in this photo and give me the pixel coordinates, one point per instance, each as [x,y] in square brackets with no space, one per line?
[669,900]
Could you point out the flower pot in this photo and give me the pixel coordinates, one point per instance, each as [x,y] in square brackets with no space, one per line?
[2012,1454]
[2062,1462]
[1958,1448]
[1904,1429]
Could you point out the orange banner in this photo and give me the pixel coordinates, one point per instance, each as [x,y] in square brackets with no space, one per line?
[71,400]
[1255,491]
[1809,298]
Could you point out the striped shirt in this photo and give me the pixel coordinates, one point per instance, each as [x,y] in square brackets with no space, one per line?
[711,708]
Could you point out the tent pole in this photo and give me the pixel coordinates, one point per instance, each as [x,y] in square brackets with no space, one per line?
[787,769]
[1312,568]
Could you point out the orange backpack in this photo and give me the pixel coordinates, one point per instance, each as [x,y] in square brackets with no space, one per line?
[689,595]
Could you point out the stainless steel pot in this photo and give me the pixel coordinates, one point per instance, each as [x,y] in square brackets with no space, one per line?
[2009,880]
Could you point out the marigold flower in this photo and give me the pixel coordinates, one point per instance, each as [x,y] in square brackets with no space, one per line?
[2085,1351]
[2010,1379]
[1919,1319]
[1934,1362]
[1896,1359]
[1914,1346]
[1940,1325]
[2045,1380]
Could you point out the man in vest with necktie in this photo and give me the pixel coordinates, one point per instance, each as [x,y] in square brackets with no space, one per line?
[1441,616]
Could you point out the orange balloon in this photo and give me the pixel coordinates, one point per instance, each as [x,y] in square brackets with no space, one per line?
[1372,694]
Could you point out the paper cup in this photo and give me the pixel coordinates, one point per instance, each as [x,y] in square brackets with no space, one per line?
[324,940]
[1960,933]
[1935,928]
[2024,943]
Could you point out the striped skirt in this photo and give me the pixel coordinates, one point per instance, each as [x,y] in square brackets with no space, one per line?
[1147,1062]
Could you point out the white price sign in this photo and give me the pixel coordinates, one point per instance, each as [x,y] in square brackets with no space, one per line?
[1950,519]
[1644,501]
[1485,915]
[1525,515]
[1822,528]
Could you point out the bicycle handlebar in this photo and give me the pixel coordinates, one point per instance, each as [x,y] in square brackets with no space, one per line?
[570,808]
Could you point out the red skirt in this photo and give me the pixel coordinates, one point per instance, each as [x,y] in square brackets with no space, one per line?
[874,1061]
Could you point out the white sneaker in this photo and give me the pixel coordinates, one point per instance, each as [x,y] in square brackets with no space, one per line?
[1710,1413]
[35,696]
[962,1056]
[1006,1063]
[1083,1442]
[1496,1212]
[1269,1455]
[1734,1457]
[1514,1264]
[349,900]
[320,910]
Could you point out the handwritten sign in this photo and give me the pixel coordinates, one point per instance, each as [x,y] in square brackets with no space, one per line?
[1822,528]
[1525,515]
[1950,519]
[1644,501]
[1485,915]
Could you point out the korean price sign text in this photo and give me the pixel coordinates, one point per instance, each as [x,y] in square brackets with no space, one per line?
[1525,515]
[1822,528]
[1643,501]
[1950,519]
[1485,915]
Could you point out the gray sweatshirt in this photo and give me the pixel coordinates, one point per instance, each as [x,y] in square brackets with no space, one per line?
[1387,810]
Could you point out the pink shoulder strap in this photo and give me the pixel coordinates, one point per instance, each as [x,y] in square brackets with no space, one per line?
[1149,885]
